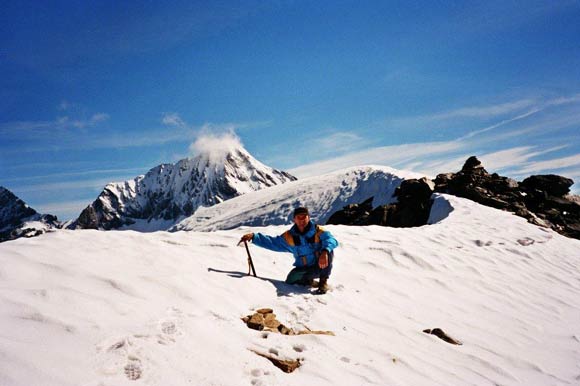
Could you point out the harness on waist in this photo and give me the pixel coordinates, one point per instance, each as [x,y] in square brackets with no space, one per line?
[294,240]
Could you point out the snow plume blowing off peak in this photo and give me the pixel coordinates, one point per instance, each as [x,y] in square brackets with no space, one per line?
[216,147]
[219,169]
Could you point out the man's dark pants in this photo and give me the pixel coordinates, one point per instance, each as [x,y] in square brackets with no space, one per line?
[304,275]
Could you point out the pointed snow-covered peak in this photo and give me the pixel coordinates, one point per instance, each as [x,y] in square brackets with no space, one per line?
[225,156]
[219,169]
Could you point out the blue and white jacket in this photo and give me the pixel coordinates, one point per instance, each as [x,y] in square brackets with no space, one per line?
[305,247]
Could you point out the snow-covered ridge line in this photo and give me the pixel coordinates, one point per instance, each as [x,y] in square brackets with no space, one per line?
[323,195]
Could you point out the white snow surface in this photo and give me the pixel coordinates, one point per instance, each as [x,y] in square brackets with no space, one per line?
[95,308]
[322,195]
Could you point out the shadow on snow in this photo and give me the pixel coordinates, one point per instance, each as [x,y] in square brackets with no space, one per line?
[282,288]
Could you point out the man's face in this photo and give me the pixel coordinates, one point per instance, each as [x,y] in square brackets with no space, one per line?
[301,221]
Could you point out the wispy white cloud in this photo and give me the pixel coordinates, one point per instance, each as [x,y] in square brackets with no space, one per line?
[338,142]
[92,184]
[564,100]
[73,174]
[554,164]
[66,121]
[42,130]
[63,106]
[67,133]
[470,112]
[172,119]
[385,155]
[522,109]
[508,158]
[502,123]
[483,111]
[432,158]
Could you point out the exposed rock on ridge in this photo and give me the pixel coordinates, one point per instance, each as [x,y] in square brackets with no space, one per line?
[19,220]
[412,209]
[540,198]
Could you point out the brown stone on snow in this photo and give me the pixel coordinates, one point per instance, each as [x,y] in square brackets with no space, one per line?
[256,322]
[315,332]
[286,365]
[285,330]
[271,322]
[265,318]
[439,333]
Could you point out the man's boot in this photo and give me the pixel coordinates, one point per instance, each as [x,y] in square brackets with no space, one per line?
[322,286]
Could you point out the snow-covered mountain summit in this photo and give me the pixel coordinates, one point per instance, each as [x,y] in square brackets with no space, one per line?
[169,192]
[17,219]
[323,195]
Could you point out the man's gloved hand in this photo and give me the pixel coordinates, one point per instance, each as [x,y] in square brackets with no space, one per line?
[323,259]
[246,237]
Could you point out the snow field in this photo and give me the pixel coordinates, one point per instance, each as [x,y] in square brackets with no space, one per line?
[127,308]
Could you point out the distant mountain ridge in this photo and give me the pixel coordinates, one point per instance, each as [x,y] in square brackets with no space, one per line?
[323,195]
[169,192]
[17,219]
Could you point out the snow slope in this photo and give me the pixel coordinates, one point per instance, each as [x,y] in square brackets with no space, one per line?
[96,308]
[323,195]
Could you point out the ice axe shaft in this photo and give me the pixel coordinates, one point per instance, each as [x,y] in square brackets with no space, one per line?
[251,268]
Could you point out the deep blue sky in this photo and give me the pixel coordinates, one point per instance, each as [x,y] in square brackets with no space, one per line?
[93,92]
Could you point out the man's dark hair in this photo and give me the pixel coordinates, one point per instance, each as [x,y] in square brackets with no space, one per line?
[300,210]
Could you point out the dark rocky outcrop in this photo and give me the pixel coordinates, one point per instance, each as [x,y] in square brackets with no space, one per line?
[475,183]
[353,214]
[411,210]
[540,198]
[19,220]
[552,184]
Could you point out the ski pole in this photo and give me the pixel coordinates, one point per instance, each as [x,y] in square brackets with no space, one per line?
[251,268]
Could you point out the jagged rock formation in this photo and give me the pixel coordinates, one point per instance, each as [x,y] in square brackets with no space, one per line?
[170,192]
[540,199]
[411,210]
[19,220]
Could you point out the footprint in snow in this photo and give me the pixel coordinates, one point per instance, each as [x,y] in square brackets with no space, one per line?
[526,241]
[273,351]
[299,347]
[168,327]
[133,369]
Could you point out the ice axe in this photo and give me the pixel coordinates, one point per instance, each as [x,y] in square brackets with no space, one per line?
[251,268]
